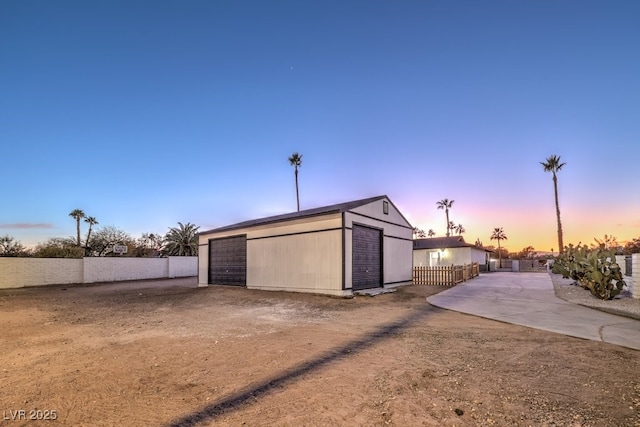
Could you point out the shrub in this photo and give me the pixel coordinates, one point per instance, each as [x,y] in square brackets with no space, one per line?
[593,269]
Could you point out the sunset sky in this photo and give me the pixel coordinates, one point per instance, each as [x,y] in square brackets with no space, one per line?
[147,113]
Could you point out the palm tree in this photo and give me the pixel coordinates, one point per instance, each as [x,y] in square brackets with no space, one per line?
[91,221]
[418,233]
[460,229]
[431,233]
[295,160]
[498,234]
[181,240]
[77,214]
[452,226]
[553,165]
[446,205]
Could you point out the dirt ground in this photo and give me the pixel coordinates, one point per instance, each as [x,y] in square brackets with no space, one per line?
[167,353]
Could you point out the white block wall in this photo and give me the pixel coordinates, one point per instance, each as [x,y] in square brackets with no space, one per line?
[21,272]
[103,269]
[183,266]
[634,281]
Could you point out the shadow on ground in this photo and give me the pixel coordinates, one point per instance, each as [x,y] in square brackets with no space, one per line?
[252,393]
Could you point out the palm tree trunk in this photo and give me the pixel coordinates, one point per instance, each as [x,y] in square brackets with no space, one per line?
[78,229]
[297,194]
[555,190]
[499,254]
[446,212]
[86,243]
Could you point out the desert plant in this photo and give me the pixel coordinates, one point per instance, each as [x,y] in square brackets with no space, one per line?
[594,269]
[567,262]
[603,276]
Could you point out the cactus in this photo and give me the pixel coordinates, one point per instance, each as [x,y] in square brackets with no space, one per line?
[593,269]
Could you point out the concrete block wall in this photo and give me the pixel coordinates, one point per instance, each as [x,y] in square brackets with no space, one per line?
[113,269]
[21,272]
[634,281]
[182,266]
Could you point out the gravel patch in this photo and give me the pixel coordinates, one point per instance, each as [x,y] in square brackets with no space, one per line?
[623,304]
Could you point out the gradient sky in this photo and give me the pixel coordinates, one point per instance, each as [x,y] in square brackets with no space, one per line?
[146,113]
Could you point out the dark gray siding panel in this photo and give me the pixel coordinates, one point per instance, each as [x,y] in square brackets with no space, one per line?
[228,261]
[367,257]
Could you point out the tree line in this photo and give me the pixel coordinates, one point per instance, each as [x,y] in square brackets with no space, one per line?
[181,240]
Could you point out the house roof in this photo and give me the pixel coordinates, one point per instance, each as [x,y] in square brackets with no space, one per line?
[324,210]
[443,243]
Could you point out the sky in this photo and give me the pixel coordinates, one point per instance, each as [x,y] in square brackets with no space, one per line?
[148,113]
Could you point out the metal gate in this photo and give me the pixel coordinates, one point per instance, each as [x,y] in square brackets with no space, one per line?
[366,257]
[228,261]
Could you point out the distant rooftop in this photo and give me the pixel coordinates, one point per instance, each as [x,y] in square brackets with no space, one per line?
[443,243]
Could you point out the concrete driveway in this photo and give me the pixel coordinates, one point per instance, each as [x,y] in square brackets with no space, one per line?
[528,299]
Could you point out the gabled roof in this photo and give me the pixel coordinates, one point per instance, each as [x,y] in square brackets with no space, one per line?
[324,210]
[444,243]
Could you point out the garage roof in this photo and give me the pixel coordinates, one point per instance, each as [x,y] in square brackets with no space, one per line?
[338,208]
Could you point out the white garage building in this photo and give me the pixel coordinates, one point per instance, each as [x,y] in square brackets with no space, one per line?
[332,250]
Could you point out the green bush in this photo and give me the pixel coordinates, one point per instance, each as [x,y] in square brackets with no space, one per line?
[594,269]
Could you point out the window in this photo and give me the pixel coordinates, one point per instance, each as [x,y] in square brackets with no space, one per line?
[385,207]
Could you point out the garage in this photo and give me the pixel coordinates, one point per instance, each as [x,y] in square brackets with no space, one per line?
[334,250]
[367,255]
[228,261]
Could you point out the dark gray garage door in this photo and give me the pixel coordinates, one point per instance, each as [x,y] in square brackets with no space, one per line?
[228,261]
[367,256]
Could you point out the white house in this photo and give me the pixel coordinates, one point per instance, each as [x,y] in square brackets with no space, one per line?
[333,250]
[452,250]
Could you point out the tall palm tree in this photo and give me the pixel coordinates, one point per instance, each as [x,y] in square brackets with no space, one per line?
[446,205]
[553,165]
[431,233]
[295,160]
[498,234]
[91,221]
[181,240]
[77,214]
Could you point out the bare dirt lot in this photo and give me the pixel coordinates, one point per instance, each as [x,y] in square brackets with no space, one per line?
[168,353]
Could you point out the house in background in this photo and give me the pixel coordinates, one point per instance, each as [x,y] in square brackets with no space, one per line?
[453,250]
[334,250]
